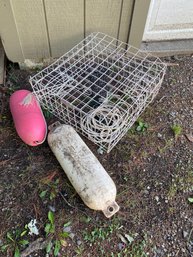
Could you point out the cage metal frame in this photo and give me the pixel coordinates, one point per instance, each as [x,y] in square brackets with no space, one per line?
[100,87]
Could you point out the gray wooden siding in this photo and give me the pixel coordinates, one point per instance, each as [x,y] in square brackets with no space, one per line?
[40,29]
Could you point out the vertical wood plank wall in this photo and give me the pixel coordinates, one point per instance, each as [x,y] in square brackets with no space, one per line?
[103,16]
[8,32]
[40,29]
[31,27]
[65,20]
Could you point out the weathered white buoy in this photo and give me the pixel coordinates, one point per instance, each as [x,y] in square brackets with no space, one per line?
[83,169]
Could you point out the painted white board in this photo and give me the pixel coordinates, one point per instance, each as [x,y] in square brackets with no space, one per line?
[169,20]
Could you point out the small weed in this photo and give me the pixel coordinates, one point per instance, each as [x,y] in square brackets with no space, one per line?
[177,130]
[141,126]
[57,239]
[15,241]
[173,81]
[3,117]
[135,249]
[172,191]
[95,235]
[138,249]
[51,190]
[131,131]
[168,143]
[125,178]
[79,251]
[47,113]
[180,184]
[50,227]
[12,88]
[190,199]
[99,234]
[85,219]
[171,210]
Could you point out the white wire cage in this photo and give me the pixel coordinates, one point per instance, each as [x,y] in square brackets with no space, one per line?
[100,87]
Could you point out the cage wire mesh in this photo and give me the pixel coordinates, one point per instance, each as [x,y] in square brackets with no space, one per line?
[100,87]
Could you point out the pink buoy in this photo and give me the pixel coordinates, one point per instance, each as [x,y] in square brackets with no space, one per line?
[28,118]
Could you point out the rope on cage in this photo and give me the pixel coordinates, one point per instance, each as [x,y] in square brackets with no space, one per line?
[105,122]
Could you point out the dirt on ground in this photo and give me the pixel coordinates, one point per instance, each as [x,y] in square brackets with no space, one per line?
[152,168]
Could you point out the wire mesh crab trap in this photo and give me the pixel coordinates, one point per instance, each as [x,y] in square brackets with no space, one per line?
[100,87]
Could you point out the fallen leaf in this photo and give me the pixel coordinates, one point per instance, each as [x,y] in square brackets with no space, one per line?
[189,137]
[129,238]
[122,238]
[48,178]
[63,242]
[190,199]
